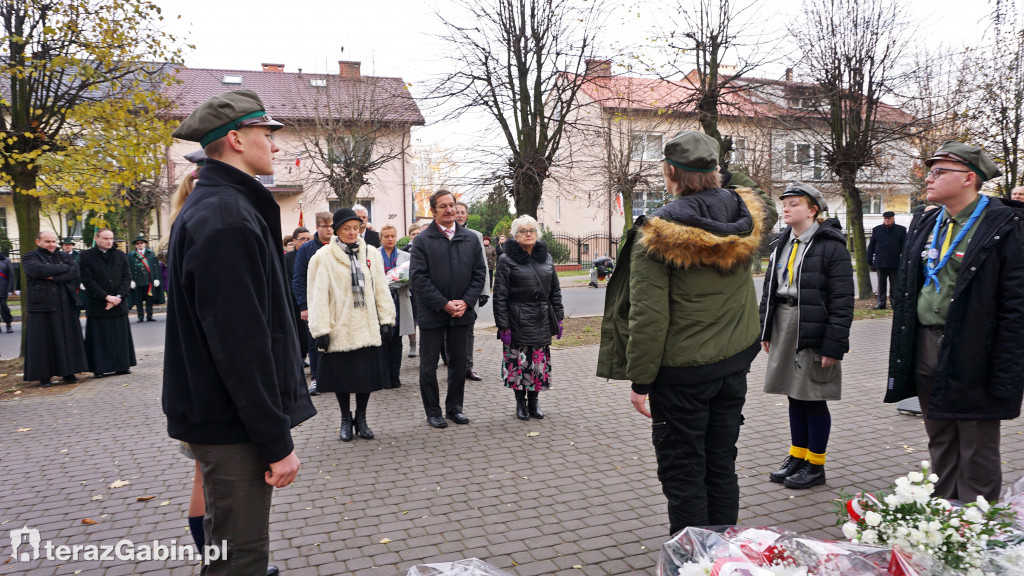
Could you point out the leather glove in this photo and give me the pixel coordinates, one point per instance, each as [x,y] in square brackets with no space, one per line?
[323,342]
[559,336]
[385,333]
[133,284]
[483,299]
[505,336]
[156,283]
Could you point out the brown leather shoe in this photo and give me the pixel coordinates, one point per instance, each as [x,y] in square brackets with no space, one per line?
[470,375]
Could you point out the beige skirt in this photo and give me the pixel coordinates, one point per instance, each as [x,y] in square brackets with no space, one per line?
[798,374]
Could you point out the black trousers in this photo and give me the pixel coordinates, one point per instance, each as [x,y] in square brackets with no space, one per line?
[314,354]
[393,358]
[5,311]
[431,341]
[148,313]
[886,276]
[695,428]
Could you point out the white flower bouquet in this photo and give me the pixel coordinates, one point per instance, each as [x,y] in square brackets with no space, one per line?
[398,276]
[766,551]
[929,535]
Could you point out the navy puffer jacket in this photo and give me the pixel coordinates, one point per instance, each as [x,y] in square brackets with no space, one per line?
[826,291]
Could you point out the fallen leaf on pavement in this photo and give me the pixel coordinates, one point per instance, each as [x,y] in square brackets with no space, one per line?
[23,429]
[97,497]
[119,483]
[89,521]
[144,498]
[165,502]
[531,434]
[385,541]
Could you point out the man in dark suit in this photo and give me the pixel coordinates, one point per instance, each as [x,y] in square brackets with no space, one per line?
[108,335]
[887,241]
[367,232]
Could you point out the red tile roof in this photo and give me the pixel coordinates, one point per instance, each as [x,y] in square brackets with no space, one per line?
[291,96]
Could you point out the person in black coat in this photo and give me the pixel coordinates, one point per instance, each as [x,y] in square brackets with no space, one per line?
[6,288]
[958,322]
[884,249]
[108,335]
[299,267]
[447,273]
[53,339]
[528,312]
[233,384]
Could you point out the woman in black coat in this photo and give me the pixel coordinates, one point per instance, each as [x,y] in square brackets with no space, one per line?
[806,312]
[528,312]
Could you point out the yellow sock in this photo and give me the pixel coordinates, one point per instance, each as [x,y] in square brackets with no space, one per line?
[796,452]
[818,459]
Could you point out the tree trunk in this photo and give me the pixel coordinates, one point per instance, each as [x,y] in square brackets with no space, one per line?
[26,210]
[527,192]
[855,221]
[627,211]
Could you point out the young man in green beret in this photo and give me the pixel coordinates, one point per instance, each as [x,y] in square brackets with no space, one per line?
[233,382]
[959,313]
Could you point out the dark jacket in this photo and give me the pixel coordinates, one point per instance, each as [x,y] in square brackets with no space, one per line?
[372,238]
[825,296]
[443,270]
[105,275]
[146,274]
[302,256]
[680,307]
[980,370]
[7,282]
[885,246]
[525,289]
[47,274]
[232,368]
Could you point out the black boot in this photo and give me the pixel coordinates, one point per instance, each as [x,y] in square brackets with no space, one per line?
[9,329]
[346,427]
[521,411]
[789,467]
[531,404]
[809,475]
[364,430]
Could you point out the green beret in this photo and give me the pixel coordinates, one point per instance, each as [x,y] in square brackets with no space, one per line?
[798,188]
[223,113]
[139,238]
[692,151]
[972,156]
[67,241]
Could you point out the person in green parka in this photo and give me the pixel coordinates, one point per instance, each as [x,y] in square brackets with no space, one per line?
[681,323]
[146,286]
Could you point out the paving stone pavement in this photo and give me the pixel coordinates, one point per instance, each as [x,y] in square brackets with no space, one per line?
[579,497]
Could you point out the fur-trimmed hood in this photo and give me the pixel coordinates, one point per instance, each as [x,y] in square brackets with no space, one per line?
[715,228]
[520,256]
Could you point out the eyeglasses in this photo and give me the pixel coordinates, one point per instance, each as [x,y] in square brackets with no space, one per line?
[328,226]
[526,231]
[935,173]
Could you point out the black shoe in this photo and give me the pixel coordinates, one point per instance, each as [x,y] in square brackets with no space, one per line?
[123,372]
[470,375]
[45,384]
[140,320]
[9,329]
[531,405]
[879,307]
[70,379]
[521,412]
[98,375]
[808,476]
[791,465]
[458,417]
[413,355]
[272,571]
[437,422]
[364,431]
[150,319]
[346,427]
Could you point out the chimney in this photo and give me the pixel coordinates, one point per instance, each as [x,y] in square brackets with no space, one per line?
[789,74]
[273,67]
[599,68]
[347,69]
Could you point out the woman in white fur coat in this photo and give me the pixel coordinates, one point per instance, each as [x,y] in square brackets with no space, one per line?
[351,315]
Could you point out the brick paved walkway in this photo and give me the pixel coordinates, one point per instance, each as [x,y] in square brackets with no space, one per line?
[579,497]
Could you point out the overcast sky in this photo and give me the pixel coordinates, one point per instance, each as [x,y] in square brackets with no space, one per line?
[398,37]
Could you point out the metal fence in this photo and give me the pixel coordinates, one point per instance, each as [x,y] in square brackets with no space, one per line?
[582,250]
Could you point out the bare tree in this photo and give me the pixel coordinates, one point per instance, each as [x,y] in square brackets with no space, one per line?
[353,126]
[523,63]
[853,50]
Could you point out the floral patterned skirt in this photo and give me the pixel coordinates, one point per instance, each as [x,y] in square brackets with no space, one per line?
[526,368]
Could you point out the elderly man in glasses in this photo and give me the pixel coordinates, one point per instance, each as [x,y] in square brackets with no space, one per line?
[959,313]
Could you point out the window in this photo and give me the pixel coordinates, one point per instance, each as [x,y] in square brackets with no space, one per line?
[334,205]
[648,200]
[3,218]
[558,209]
[799,153]
[318,82]
[875,204]
[232,79]
[266,179]
[646,147]
[739,150]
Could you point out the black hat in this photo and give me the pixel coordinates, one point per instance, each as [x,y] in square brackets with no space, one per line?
[343,215]
[888,214]
[66,241]
[692,151]
[223,113]
[798,188]
[139,238]
[972,156]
